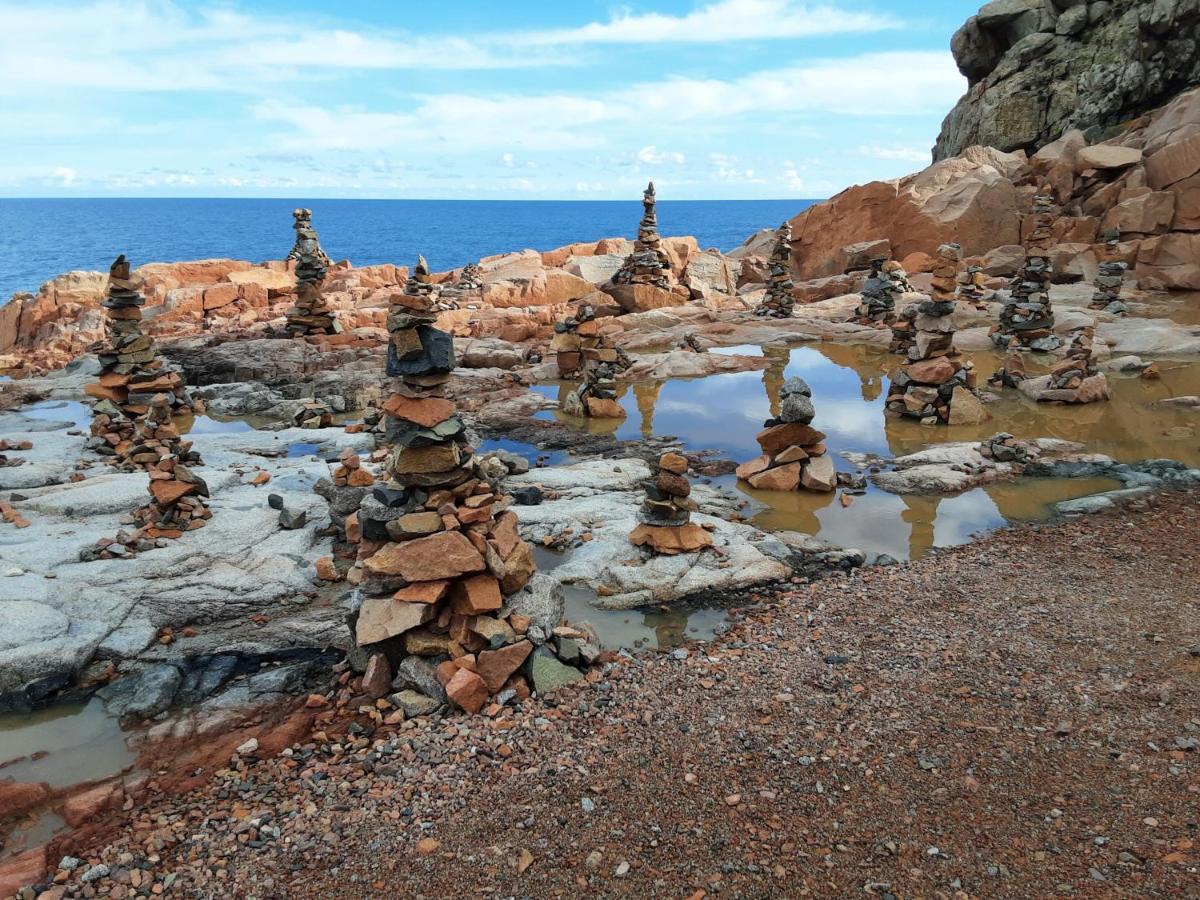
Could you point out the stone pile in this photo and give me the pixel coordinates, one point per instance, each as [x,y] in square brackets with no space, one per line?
[1027,319]
[648,263]
[437,548]
[309,314]
[779,302]
[583,349]
[665,523]
[972,287]
[131,374]
[1075,379]
[878,293]
[794,456]
[936,385]
[471,277]
[177,494]
[1110,277]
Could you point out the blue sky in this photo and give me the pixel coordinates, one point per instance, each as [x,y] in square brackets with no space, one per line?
[525,100]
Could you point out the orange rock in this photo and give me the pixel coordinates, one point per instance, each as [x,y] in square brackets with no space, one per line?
[675,463]
[468,690]
[426,411]
[495,666]
[752,467]
[326,570]
[781,478]
[423,592]
[21,871]
[360,478]
[260,478]
[167,492]
[17,797]
[778,438]
[600,408]
[504,535]
[445,555]
[353,528]
[938,370]
[477,594]
[672,539]
[80,808]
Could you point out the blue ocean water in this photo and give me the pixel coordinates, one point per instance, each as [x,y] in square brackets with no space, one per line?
[43,238]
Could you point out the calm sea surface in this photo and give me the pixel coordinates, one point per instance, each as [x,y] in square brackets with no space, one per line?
[43,238]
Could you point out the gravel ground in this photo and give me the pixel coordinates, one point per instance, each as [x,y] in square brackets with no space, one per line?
[1014,718]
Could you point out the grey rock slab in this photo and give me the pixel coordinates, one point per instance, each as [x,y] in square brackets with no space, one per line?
[548,674]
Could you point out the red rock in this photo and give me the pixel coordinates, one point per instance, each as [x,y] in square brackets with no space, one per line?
[360,478]
[505,535]
[353,528]
[326,570]
[752,467]
[495,666]
[938,370]
[422,592]
[778,438]
[445,671]
[674,463]
[377,679]
[819,475]
[468,690]
[1176,161]
[446,555]
[670,540]
[477,594]
[17,797]
[167,492]
[601,408]
[519,568]
[781,478]
[80,808]
[380,618]
[23,870]
[425,411]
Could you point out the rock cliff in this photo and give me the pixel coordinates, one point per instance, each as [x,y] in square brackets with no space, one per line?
[1038,68]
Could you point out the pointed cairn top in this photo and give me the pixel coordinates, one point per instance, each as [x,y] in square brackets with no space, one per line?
[421,270]
[307,242]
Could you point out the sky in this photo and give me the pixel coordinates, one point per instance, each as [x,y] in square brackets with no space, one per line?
[713,99]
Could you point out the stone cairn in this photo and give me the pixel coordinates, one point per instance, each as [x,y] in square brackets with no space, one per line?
[1109,279]
[665,523]
[582,348]
[794,455]
[177,494]
[131,374]
[438,548]
[1075,379]
[309,314]
[971,287]
[471,277]
[936,386]
[879,291]
[779,301]
[1027,319]
[648,263]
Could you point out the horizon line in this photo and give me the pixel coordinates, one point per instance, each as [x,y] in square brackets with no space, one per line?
[434,199]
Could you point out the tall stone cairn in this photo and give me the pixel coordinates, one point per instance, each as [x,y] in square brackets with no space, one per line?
[648,263]
[1075,379]
[878,303]
[665,523]
[1110,278]
[438,546]
[177,494]
[779,301]
[471,277]
[309,314]
[131,374]
[971,288]
[794,456]
[1027,319]
[936,385]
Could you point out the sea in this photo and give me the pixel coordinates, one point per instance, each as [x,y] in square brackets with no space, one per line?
[45,237]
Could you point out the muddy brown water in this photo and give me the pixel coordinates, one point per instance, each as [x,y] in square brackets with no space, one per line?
[849,382]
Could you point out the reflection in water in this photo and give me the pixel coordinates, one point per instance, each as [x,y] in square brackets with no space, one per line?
[724,412]
[632,628]
[81,742]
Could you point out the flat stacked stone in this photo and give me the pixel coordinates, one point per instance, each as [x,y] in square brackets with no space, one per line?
[309,314]
[972,287]
[936,385]
[471,277]
[648,263]
[779,302]
[1110,278]
[131,373]
[177,494]
[438,549]
[665,523]
[794,456]
[1027,319]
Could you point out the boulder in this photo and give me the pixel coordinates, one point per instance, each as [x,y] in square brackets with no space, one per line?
[819,475]
[440,556]
[467,690]
[644,297]
[780,478]
[1174,162]
[548,674]
[1148,213]
[966,408]
[1107,156]
[380,618]
[1003,261]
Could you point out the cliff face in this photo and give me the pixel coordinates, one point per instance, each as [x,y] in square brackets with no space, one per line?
[1038,68]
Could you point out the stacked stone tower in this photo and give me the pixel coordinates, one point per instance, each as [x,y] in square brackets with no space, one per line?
[1027,319]
[878,303]
[439,548]
[648,263]
[310,314]
[131,373]
[936,385]
[582,348]
[1111,276]
[794,456]
[779,301]
[665,519]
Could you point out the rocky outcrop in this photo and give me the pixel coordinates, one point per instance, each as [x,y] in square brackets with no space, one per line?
[1038,68]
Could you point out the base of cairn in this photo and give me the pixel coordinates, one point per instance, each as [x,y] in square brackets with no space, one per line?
[665,524]
[794,456]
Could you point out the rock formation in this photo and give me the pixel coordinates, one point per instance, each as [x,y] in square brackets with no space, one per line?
[645,279]
[794,456]
[1027,319]
[665,518]
[131,374]
[438,549]
[1074,379]
[972,287]
[583,348]
[779,301]
[1038,69]
[878,293]
[177,494]
[936,386]
[311,313]
[471,277]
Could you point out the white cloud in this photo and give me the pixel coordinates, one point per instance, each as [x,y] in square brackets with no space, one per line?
[907,154]
[718,22]
[653,156]
[66,176]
